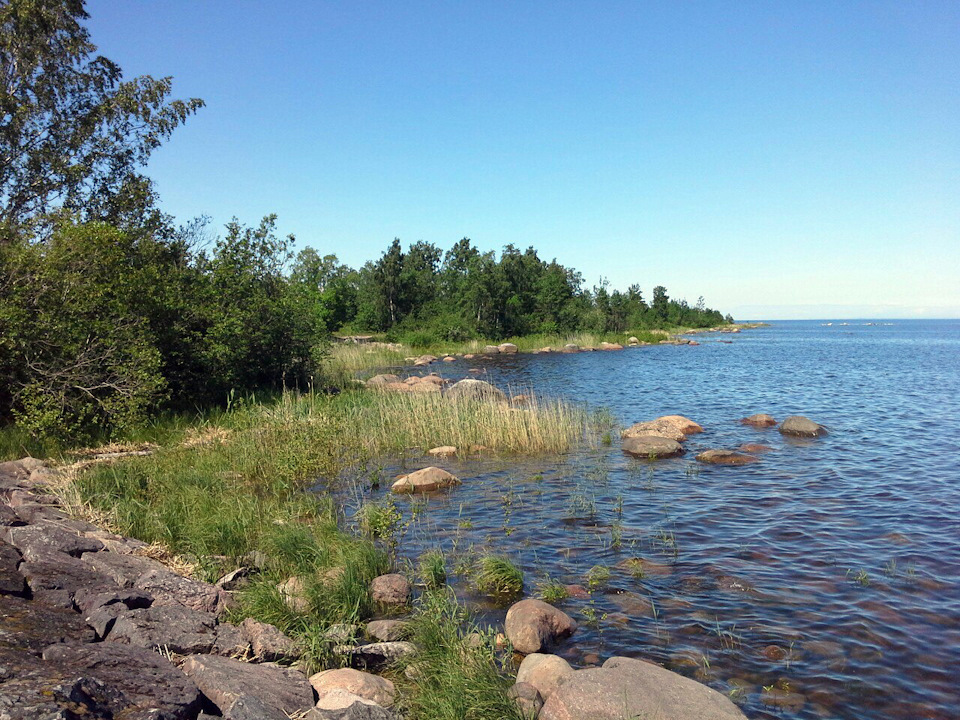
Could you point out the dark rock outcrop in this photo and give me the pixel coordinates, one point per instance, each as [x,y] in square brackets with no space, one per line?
[800,426]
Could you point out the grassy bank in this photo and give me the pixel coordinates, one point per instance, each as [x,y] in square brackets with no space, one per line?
[231,487]
[347,361]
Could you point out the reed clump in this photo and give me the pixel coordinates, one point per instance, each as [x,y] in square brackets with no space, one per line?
[392,422]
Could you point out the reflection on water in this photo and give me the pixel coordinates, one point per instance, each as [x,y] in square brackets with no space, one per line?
[821,581]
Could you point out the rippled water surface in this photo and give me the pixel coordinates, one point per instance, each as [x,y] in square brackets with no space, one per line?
[822,581]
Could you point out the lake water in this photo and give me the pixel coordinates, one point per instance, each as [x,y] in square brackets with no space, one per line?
[822,581]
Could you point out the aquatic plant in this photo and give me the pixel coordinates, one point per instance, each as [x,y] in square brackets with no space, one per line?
[380,520]
[552,591]
[496,575]
[597,576]
[433,569]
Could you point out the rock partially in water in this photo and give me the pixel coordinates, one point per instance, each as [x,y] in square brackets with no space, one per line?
[507,348]
[425,480]
[628,688]
[532,625]
[610,346]
[633,341]
[674,427]
[544,672]
[725,457]
[425,360]
[571,348]
[759,420]
[652,447]
[380,380]
[443,451]
[490,350]
[799,426]
[476,390]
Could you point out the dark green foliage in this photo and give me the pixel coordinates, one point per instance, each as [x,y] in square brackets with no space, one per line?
[73,132]
[418,299]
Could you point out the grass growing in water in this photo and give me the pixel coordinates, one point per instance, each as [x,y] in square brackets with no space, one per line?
[433,569]
[450,678]
[497,576]
[552,591]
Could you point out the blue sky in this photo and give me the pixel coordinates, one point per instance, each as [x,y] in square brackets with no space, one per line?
[781,159]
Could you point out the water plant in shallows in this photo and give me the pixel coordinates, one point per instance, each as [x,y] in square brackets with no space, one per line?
[552,591]
[497,576]
[433,569]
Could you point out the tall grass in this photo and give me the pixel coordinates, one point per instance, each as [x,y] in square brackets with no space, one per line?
[392,422]
[346,362]
[450,678]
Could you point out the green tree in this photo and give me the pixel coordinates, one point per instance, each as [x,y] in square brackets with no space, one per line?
[73,133]
[661,304]
[75,355]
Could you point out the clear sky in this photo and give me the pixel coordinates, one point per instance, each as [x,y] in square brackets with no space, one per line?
[783,159]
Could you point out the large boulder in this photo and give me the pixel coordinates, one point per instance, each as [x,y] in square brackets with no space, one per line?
[610,346]
[507,348]
[425,480]
[28,627]
[267,642]
[490,350]
[726,457]
[366,685]
[168,588]
[174,627]
[58,578]
[800,426]
[544,672]
[652,447]
[36,542]
[759,420]
[376,655]
[381,380]
[628,688]
[11,581]
[141,683]
[392,590]
[345,705]
[532,625]
[224,681]
[477,390]
[675,427]
[124,568]
[387,630]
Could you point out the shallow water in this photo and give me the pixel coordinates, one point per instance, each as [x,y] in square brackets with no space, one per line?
[821,581]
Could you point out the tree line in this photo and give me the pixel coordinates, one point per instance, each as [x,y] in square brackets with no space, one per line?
[111,310]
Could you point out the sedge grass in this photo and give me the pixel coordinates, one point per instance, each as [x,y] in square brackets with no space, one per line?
[497,576]
[451,678]
[392,422]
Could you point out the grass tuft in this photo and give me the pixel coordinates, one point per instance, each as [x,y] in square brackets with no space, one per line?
[497,576]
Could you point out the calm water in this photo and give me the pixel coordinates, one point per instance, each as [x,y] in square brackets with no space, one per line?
[823,581]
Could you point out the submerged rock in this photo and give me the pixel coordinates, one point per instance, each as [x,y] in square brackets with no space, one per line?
[628,688]
[800,426]
[725,457]
[760,420]
[652,447]
[532,625]
[425,480]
